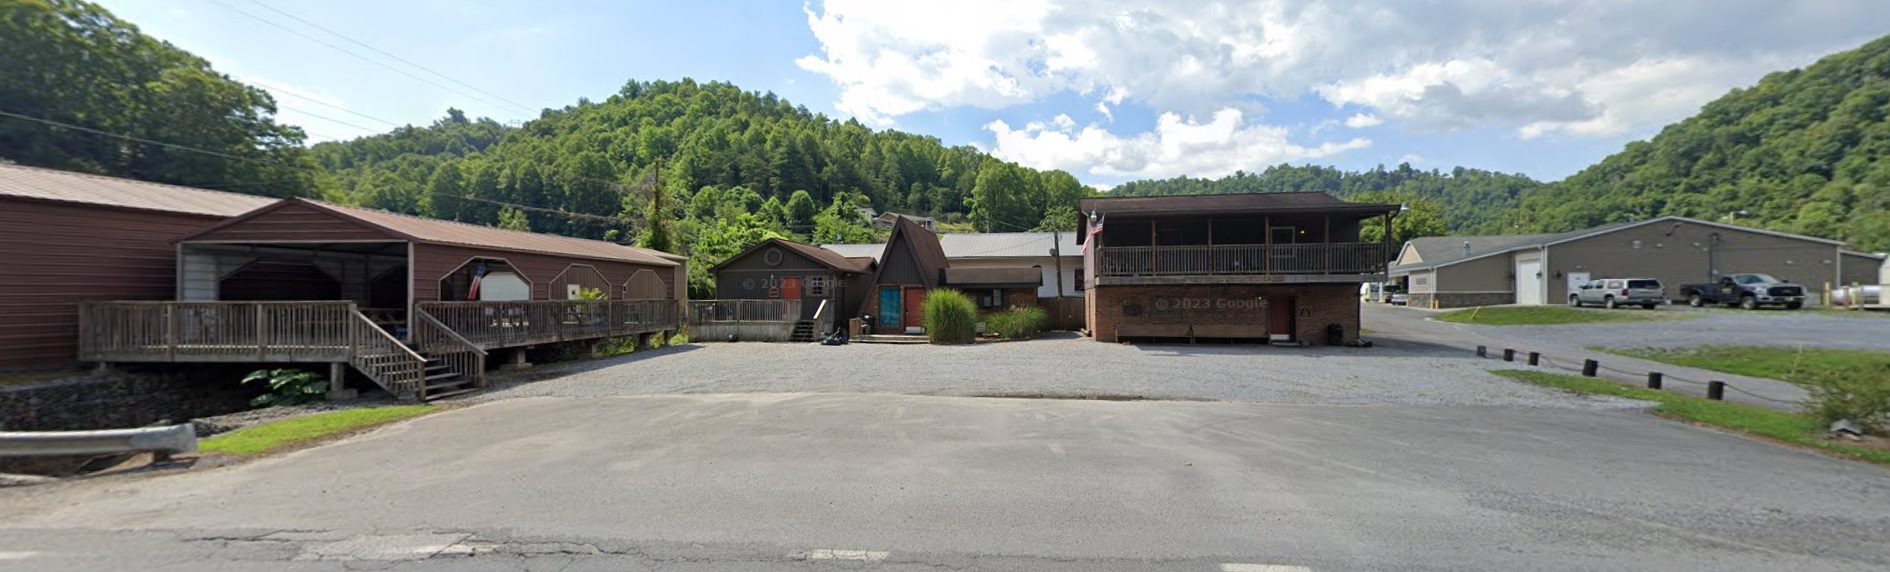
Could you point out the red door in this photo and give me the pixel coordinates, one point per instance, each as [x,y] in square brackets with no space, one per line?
[1280,315]
[915,307]
[790,288]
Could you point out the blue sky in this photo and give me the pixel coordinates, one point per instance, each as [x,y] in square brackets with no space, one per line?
[1109,90]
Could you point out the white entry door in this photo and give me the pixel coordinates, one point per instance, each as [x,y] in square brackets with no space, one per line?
[1529,281]
[1575,282]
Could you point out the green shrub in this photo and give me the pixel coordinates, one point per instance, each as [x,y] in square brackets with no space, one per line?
[950,317]
[287,387]
[1017,323]
[679,339]
[1860,393]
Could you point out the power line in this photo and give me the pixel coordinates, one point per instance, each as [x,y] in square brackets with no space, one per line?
[138,139]
[350,52]
[310,99]
[385,53]
[370,130]
[291,166]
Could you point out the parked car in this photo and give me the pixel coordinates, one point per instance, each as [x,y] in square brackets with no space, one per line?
[1749,291]
[1616,292]
[1398,299]
[1371,291]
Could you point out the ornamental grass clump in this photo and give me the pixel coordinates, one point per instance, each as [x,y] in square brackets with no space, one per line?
[950,317]
[1020,323]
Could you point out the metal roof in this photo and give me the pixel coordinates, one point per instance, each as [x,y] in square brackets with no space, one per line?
[1437,251]
[66,186]
[822,256]
[982,245]
[463,234]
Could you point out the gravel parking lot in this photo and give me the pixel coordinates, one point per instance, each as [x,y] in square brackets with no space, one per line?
[1714,326]
[1063,365]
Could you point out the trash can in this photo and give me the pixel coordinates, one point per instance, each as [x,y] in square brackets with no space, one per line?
[1335,334]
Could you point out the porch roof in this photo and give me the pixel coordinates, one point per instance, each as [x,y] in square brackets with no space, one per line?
[434,231]
[1232,204]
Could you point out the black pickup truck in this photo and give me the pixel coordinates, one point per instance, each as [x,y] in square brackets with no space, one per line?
[1749,291]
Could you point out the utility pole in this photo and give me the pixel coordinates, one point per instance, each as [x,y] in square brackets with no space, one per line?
[1056,254]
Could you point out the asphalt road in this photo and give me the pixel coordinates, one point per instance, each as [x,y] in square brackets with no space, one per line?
[818,481]
[1567,345]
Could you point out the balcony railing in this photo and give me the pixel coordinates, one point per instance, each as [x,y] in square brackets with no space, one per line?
[1237,259]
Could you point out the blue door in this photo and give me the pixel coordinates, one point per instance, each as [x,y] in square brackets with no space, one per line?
[889,307]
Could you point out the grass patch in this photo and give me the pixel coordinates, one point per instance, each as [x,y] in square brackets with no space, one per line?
[271,436]
[1545,315]
[1794,365]
[1793,428]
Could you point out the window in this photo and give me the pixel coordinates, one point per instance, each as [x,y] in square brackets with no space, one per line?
[989,299]
[1644,284]
[1079,280]
[817,286]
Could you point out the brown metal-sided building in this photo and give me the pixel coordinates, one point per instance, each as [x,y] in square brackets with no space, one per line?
[1283,267]
[779,269]
[913,263]
[71,237]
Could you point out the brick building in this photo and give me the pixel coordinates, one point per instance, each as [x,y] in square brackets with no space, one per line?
[1282,267]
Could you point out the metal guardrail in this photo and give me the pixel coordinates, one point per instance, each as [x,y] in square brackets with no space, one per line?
[164,441]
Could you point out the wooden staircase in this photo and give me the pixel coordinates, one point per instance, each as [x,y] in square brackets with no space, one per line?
[803,332]
[441,381]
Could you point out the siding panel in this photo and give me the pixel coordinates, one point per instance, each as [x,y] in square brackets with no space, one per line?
[61,254]
[434,261]
[295,222]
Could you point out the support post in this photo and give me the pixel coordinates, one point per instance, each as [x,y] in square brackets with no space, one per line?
[337,382]
[1483,351]
[517,361]
[1535,359]
[170,332]
[262,333]
[1509,354]
[1716,390]
[1654,379]
[1589,367]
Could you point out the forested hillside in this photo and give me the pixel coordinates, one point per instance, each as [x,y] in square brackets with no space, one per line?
[1466,200]
[1803,151]
[81,90]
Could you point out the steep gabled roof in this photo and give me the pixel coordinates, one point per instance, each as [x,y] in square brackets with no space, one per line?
[821,256]
[37,183]
[434,231]
[963,245]
[923,246]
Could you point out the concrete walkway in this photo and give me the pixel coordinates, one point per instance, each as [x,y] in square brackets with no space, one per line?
[1412,325]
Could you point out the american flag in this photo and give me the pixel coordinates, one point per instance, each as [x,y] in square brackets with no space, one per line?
[479,272]
[1095,230]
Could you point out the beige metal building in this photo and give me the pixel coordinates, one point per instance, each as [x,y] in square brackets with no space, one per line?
[1460,271]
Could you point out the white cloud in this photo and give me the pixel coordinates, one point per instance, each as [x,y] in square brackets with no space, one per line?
[1176,146]
[1412,158]
[1362,120]
[1579,67]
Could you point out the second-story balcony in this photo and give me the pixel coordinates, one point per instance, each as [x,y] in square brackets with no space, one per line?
[1304,261]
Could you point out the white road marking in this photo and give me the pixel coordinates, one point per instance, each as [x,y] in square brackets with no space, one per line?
[837,554]
[18,555]
[1240,567]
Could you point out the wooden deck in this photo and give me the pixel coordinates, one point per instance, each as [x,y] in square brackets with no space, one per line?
[445,352]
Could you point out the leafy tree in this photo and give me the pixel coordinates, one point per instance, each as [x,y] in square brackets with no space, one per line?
[842,223]
[514,219]
[773,211]
[801,210]
[445,192]
[73,62]
[1421,217]
[657,220]
[1060,217]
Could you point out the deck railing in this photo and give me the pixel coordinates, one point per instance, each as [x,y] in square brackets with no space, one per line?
[384,359]
[312,331]
[702,311]
[459,354]
[1321,258]
[504,324]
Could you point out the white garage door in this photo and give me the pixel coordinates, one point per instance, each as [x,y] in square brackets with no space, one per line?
[502,286]
[1529,281]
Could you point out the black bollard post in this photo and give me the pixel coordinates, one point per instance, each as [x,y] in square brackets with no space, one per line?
[1535,359]
[1483,351]
[1716,390]
[1509,354]
[1654,378]
[1589,367]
